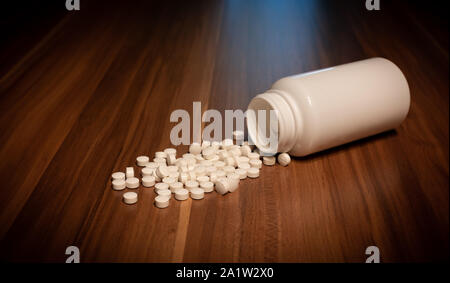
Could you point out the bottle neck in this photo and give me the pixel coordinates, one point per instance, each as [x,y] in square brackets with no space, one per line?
[285,119]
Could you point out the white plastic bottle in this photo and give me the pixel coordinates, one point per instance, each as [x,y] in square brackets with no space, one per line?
[329,107]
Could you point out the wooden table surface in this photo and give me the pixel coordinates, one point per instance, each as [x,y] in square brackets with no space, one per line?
[83,93]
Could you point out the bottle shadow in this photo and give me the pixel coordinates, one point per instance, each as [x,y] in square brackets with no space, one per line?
[335,150]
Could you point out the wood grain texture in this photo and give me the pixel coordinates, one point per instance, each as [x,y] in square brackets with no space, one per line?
[82,94]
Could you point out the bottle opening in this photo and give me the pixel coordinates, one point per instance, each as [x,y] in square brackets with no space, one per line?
[263,125]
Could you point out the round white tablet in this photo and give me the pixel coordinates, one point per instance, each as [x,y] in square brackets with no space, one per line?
[228,169]
[132,183]
[253,155]
[175,186]
[253,172]
[169,180]
[197,193]
[175,175]
[222,186]
[142,160]
[256,163]
[184,177]
[162,201]
[146,171]
[242,173]
[269,160]
[130,197]
[148,181]
[164,193]
[160,161]
[171,159]
[229,161]
[129,172]
[118,184]
[207,186]
[162,171]
[152,165]
[284,159]
[181,194]
[234,181]
[206,144]
[118,176]
[244,166]
[161,186]
[245,150]
[195,148]
[172,169]
[160,154]
[170,151]
[157,179]
[202,179]
[191,185]
[219,164]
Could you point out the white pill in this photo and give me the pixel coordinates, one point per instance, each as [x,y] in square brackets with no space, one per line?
[206,144]
[197,193]
[245,150]
[256,163]
[172,168]
[243,159]
[244,166]
[200,171]
[220,173]
[223,154]
[191,185]
[269,160]
[161,186]
[184,177]
[253,172]
[142,160]
[181,194]
[130,197]
[227,144]
[208,152]
[160,161]
[165,193]
[284,159]
[118,184]
[162,201]
[118,176]
[222,186]
[253,155]
[242,173]
[234,181]
[192,176]
[129,172]
[160,154]
[170,151]
[199,157]
[236,152]
[146,171]
[181,162]
[176,186]
[216,145]
[214,158]
[162,171]
[210,169]
[157,179]
[175,175]
[195,148]
[188,155]
[132,183]
[202,179]
[152,165]
[207,186]
[171,159]
[228,169]
[191,161]
[219,164]
[148,181]
[169,180]
[230,161]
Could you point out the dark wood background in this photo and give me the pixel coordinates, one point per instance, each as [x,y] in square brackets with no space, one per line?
[83,93]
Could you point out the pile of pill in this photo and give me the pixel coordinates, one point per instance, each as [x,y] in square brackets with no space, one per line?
[208,166]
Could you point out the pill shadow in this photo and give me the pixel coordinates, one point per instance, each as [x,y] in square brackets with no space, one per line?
[335,150]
